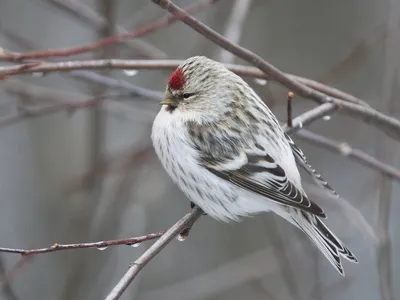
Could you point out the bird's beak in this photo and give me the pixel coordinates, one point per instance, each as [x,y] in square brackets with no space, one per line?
[169,101]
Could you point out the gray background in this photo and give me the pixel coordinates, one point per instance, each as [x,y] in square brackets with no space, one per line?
[259,258]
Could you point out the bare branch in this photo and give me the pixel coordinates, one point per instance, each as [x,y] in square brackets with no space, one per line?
[146,257]
[146,29]
[234,27]
[99,245]
[18,267]
[117,84]
[241,70]
[34,112]
[308,117]
[345,149]
[83,12]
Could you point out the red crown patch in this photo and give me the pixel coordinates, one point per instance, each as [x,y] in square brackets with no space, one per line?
[177,80]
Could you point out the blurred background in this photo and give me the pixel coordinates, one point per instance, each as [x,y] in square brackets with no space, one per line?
[91,174]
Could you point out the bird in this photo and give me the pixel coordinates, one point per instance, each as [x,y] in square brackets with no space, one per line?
[226,151]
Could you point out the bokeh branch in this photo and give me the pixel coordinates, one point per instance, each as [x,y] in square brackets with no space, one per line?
[146,29]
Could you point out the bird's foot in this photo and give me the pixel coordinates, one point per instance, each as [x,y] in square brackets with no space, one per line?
[185,232]
[192,205]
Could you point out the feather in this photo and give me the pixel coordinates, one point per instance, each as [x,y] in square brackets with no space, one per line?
[302,161]
[263,176]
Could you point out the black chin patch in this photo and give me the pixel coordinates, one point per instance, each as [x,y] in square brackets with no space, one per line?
[171,108]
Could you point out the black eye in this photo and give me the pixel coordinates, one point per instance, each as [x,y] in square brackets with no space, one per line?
[187,95]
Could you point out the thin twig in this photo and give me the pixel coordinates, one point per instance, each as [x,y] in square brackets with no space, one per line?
[147,256]
[117,84]
[146,29]
[34,112]
[84,74]
[388,151]
[91,17]
[357,55]
[289,109]
[99,245]
[18,267]
[308,117]
[346,150]
[234,27]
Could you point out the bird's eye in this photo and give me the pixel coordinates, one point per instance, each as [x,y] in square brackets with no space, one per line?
[187,95]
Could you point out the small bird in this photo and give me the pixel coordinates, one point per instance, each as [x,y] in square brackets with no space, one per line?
[226,151]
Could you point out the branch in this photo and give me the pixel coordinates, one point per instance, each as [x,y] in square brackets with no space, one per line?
[234,26]
[88,15]
[99,245]
[241,70]
[388,125]
[308,117]
[146,257]
[146,29]
[116,84]
[345,149]
[34,112]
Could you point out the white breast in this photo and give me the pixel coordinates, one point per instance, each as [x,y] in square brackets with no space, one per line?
[217,197]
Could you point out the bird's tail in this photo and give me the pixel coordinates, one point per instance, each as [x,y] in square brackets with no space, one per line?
[323,238]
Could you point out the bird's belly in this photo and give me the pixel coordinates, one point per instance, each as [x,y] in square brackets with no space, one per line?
[220,199]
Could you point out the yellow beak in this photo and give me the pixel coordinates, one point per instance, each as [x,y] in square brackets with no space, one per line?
[167,101]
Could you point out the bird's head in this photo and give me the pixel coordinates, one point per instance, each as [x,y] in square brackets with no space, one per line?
[200,89]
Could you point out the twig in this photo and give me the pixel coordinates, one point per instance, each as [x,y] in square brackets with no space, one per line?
[113,163]
[388,125]
[9,276]
[164,21]
[388,151]
[17,69]
[86,75]
[34,112]
[147,256]
[308,117]
[91,17]
[234,27]
[39,94]
[99,245]
[345,149]
[358,54]
[289,109]
[117,84]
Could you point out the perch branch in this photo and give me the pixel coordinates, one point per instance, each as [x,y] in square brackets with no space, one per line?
[146,257]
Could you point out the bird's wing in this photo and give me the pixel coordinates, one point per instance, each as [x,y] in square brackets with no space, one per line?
[262,175]
[302,161]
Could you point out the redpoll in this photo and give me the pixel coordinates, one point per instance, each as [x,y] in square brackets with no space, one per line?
[227,152]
